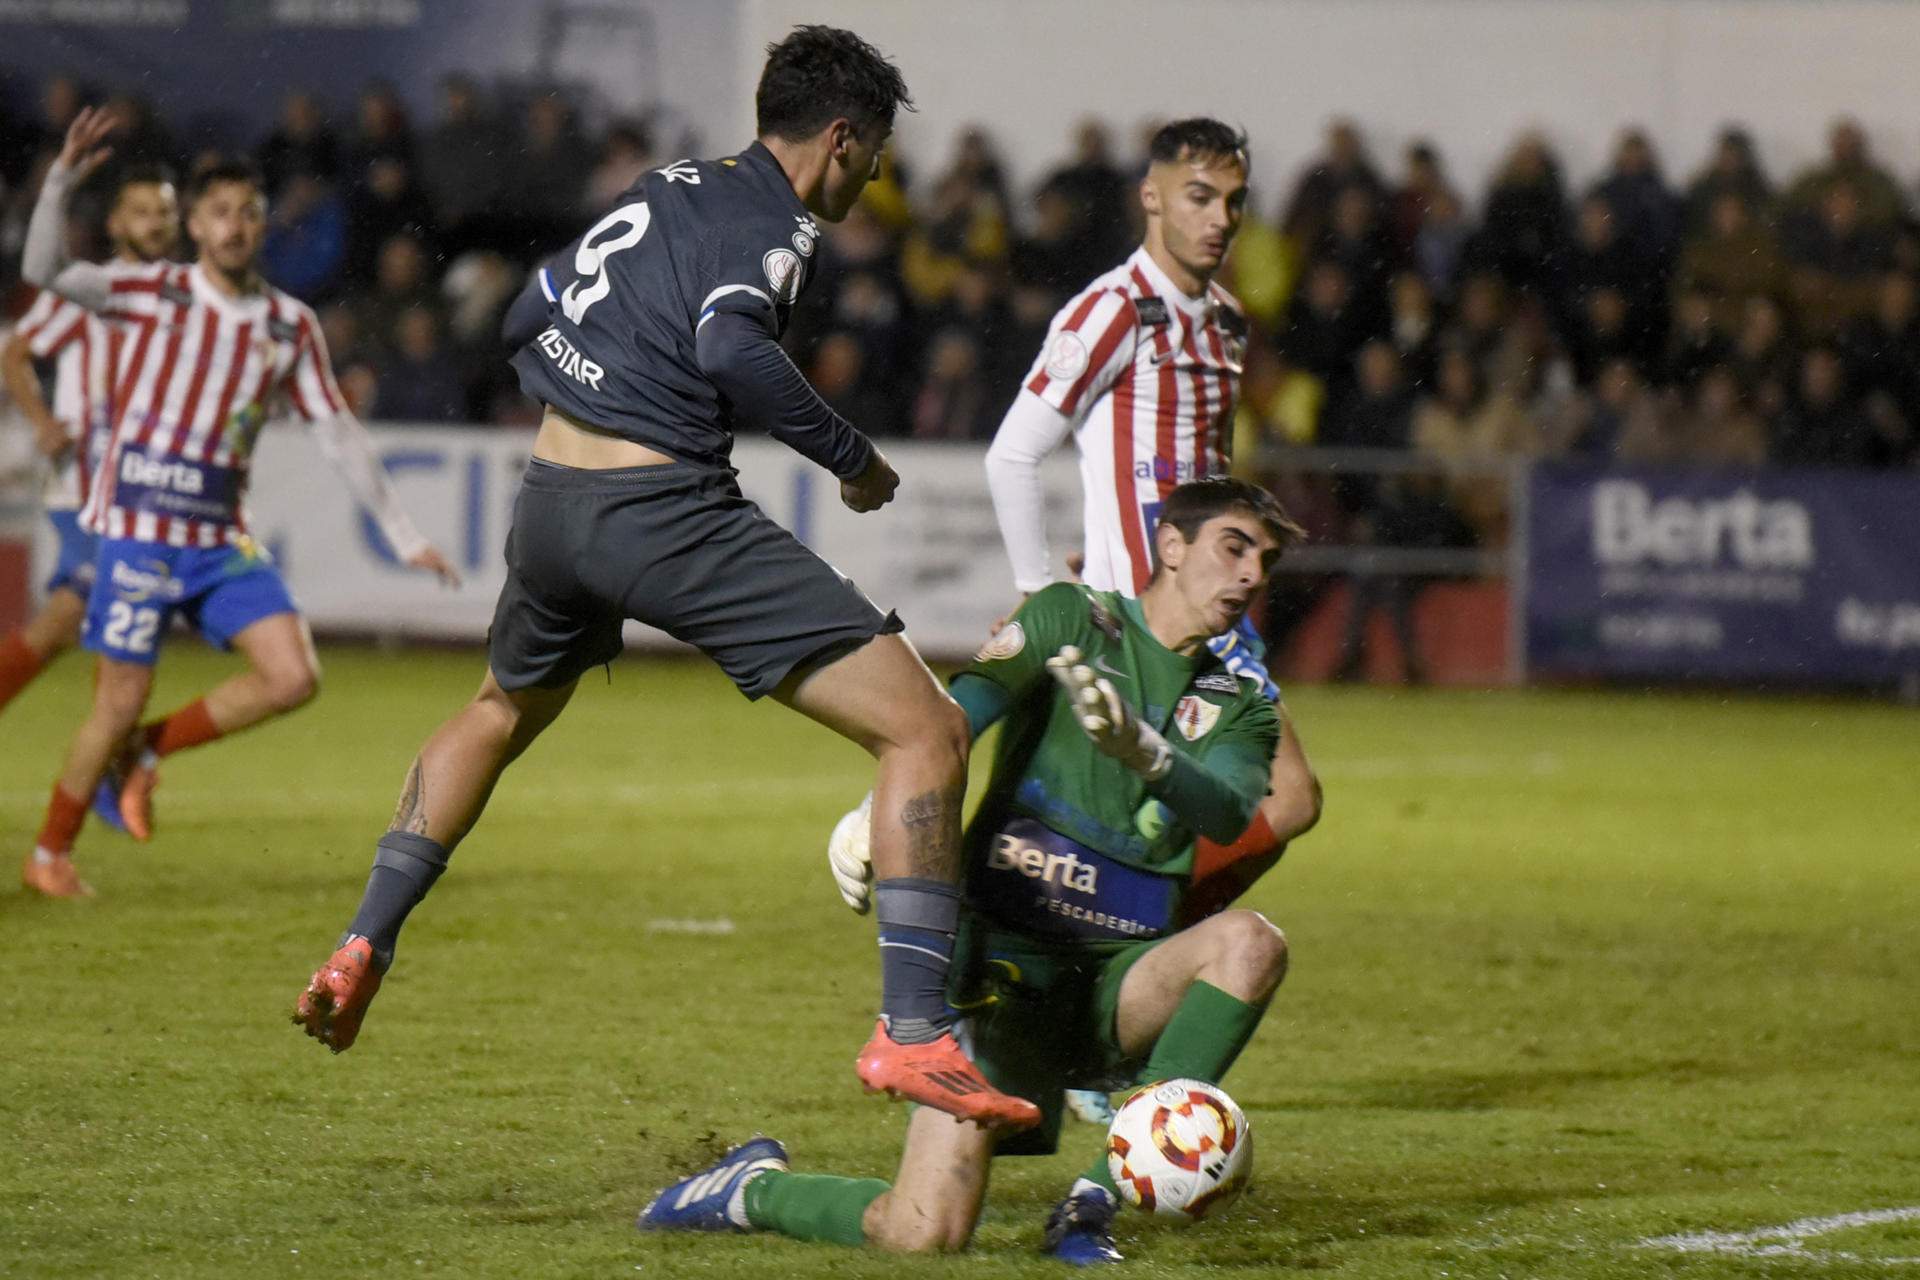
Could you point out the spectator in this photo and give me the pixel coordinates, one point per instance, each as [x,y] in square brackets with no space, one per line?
[1480,320]
[1837,263]
[1763,356]
[381,131]
[1441,244]
[839,374]
[1822,425]
[461,164]
[1097,194]
[1470,431]
[1355,240]
[952,403]
[548,160]
[963,223]
[306,237]
[1876,195]
[419,381]
[1601,258]
[1717,427]
[1735,258]
[384,197]
[1734,170]
[301,145]
[1323,331]
[1426,181]
[1413,327]
[1525,225]
[400,284]
[1623,421]
[1695,343]
[1646,212]
[1378,412]
[1601,333]
[626,153]
[1343,165]
[1882,350]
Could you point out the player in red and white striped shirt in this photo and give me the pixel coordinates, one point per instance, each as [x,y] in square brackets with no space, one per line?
[1142,368]
[143,223]
[207,354]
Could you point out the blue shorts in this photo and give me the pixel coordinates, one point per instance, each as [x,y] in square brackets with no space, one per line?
[1244,653]
[73,567]
[141,586]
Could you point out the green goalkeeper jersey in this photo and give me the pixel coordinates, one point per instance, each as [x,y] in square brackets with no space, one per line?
[1070,844]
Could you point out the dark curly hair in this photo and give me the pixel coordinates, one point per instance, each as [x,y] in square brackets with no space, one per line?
[1199,138]
[819,74]
[1194,503]
[223,169]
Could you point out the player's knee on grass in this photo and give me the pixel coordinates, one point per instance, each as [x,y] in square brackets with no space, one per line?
[1252,950]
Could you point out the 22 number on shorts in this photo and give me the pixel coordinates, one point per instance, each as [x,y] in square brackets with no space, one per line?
[131,629]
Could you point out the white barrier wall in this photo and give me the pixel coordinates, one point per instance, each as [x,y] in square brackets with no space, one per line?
[934,554]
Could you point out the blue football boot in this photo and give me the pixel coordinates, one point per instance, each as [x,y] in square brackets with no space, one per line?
[106,799]
[1090,1105]
[1080,1229]
[715,1198]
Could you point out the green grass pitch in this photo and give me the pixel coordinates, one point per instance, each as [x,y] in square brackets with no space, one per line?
[1571,971]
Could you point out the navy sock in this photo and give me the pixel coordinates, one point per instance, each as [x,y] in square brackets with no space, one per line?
[917,918]
[405,866]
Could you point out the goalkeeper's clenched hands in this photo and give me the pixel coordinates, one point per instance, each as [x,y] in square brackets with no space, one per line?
[1108,720]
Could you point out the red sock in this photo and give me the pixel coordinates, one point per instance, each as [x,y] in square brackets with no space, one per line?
[64,816]
[19,664]
[190,726]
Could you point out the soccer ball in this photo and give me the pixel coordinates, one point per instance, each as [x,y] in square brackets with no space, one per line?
[1180,1149]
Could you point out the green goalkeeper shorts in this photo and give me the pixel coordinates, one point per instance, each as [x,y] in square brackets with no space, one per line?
[1042,1019]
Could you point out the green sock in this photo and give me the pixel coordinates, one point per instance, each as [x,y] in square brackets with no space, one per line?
[812,1206]
[1208,1030]
[1206,1033]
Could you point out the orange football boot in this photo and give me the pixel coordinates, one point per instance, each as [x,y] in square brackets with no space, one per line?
[52,874]
[939,1075]
[331,1007]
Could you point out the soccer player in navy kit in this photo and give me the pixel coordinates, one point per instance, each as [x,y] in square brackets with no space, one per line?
[652,337]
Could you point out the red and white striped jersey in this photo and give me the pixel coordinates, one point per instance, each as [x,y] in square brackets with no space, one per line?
[197,375]
[1148,376]
[80,346]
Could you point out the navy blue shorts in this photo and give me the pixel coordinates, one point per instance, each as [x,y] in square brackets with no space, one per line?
[677,547]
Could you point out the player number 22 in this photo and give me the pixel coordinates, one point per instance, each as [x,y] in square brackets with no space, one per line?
[131,629]
[590,259]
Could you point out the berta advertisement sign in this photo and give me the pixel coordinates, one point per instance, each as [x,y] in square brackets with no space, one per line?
[1796,576]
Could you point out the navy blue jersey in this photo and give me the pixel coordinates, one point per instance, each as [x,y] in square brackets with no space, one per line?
[625,302]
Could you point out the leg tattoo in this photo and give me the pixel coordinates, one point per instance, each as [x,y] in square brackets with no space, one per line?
[411,813]
[932,821]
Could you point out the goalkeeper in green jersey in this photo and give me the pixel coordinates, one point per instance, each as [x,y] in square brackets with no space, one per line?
[1122,739]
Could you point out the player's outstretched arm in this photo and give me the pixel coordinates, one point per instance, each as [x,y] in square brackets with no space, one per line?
[350,450]
[43,258]
[739,355]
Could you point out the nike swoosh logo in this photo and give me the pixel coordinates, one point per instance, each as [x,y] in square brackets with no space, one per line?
[1159,358]
[1100,664]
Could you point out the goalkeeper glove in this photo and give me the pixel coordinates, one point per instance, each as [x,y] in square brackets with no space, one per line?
[851,858]
[1107,720]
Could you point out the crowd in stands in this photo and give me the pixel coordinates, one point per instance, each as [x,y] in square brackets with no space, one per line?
[1731,320]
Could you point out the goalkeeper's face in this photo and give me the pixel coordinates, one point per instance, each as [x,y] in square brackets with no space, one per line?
[1219,574]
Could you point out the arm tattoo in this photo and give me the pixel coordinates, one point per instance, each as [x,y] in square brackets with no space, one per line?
[932,822]
[410,814]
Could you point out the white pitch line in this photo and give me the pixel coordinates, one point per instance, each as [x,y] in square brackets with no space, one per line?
[719,927]
[1788,1240]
